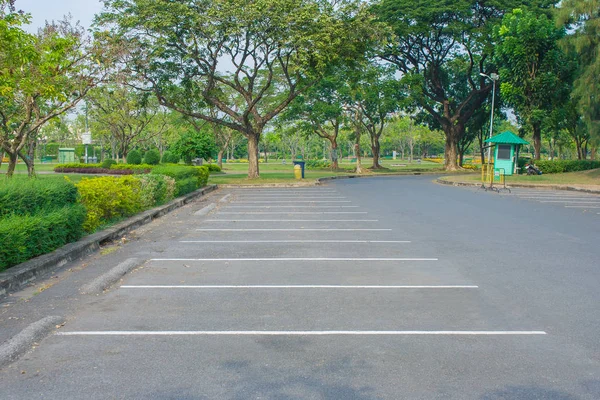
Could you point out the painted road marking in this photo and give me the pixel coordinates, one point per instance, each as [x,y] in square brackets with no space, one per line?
[569,201]
[581,207]
[293,259]
[299,333]
[298,206]
[295,241]
[291,197]
[292,201]
[292,220]
[298,287]
[291,229]
[293,212]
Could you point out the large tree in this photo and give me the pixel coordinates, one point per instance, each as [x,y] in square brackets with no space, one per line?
[266,51]
[41,77]
[536,74]
[582,17]
[429,36]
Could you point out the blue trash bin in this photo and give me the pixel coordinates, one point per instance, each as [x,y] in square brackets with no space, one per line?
[301,164]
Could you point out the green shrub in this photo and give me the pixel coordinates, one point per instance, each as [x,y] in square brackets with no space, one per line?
[59,167]
[137,168]
[177,172]
[23,196]
[156,190]
[169,158]
[152,157]
[108,198]
[134,157]
[213,168]
[202,176]
[185,186]
[318,164]
[108,163]
[560,166]
[26,236]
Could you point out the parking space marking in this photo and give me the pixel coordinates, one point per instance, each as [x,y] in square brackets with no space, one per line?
[582,206]
[293,212]
[300,333]
[376,287]
[570,201]
[293,259]
[298,206]
[291,201]
[292,220]
[292,197]
[291,229]
[295,241]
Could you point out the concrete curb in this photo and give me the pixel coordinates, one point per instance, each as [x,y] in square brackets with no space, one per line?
[206,210]
[522,185]
[20,275]
[19,344]
[105,281]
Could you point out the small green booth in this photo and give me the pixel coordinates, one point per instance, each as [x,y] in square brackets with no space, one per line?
[506,151]
[66,156]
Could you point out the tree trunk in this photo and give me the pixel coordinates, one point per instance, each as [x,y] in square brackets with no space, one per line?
[376,149]
[579,150]
[334,153]
[220,158]
[253,172]
[30,165]
[453,134]
[461,157]
[1,157]
[12,163]
[537,140]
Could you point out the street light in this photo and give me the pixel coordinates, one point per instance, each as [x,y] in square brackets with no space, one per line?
[493,77]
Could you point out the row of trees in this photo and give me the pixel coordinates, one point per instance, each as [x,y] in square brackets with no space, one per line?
[310,67]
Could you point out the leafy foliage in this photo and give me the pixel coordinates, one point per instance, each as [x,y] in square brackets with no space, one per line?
[169,158]
[559,166]
[152,157]
[28,196]
[26,236]
[194,145]
[108,198]
[107,163]
[134,157]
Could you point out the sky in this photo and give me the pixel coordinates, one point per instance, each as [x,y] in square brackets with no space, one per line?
[42,10]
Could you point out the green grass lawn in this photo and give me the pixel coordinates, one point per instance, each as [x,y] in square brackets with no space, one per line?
[591,177]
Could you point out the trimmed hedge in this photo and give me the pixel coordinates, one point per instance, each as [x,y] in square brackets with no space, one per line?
[109,198]
[134,157]
[28,196]
[136,168]
[152,157]
[156,190]
[26,236]
[187,179]
[560,166]
[213,167]
[170,158]
[108,162]
[318,164]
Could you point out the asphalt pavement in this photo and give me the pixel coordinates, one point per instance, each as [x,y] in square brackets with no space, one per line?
[379,288]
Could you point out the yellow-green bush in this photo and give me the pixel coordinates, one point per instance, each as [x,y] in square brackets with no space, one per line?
[109,198]
[156,189]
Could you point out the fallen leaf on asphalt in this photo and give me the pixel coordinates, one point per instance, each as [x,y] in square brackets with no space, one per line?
[185,265]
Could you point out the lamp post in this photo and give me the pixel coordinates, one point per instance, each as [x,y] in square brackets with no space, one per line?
[493,77]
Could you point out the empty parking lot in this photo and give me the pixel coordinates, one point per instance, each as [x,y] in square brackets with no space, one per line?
[366,289]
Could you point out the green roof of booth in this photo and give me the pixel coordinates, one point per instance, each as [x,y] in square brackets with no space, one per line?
[506,137]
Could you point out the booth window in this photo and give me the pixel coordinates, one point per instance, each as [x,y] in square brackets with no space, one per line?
[504,151]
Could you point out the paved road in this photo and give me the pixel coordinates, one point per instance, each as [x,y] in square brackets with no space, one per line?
[384,288]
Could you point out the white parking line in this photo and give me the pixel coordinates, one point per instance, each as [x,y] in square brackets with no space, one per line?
[293,259]
[291,229]
[298,287]
[291,197]
[581,207]
[298,206]
[558,198]
[293,212]
[291,201]
[569,201]
[295,241]
[292,220]
[300,333]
